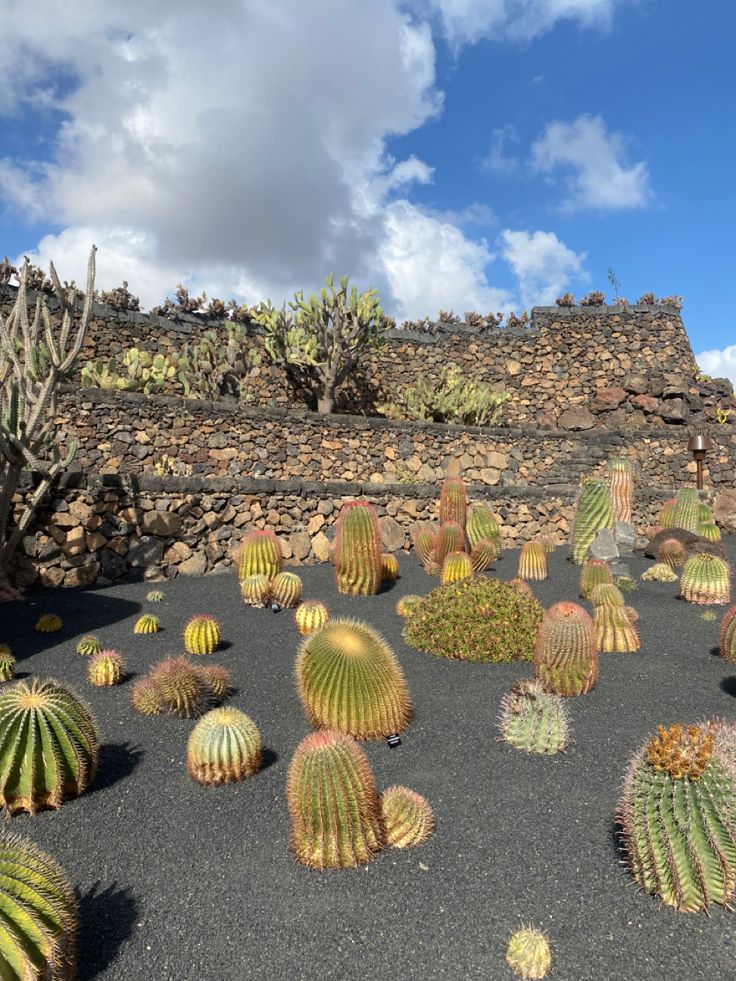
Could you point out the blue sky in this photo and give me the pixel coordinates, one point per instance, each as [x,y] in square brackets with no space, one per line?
[464,154]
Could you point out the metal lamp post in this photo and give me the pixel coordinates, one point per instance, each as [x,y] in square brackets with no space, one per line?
[699,444]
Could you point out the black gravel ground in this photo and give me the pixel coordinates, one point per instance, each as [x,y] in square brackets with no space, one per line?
[180,881]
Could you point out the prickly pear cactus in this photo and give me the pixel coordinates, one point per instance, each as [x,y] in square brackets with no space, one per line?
[705,579]
[202,635]
[224,747]
[595,572]
[622,488]
[407,817]
[286,590]
[532,561]
[456,567]
[534,721]
[594,513]
[260,554]
[565,653]
[528,954]
[358,550]
[311,615]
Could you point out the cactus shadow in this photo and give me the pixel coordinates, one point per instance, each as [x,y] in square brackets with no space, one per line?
[117,761]
[729,685]
[715,651]
[107,919]
[614,830]
[268,758]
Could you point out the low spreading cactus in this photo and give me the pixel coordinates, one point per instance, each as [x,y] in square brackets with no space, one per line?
[260,554]
[49,623]
[310,615]
[224,747]
[659,572]
[89,645]
[147,624]
[286,590]
[407,817]
[533,720]
[202,635]
[705,579]
[728,635]
[155,596]
[407,604]
[528,954]
[389,567]
[565,654]
[105,668]
[456,567]
[256,590]
[532,561]
[595,572]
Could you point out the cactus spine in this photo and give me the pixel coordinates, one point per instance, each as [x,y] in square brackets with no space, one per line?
[407,817]
[727,639]
[532,561]
[622,489]
[687,510]
[286,590]
[105,668]
[358,550]
[202,635]
[333,804]
[528,954]
[565,654]
[533,720]
[594,573]
[260,554]
[705,580]
[310,615]
[456,567]
[224,747]
[594,513]
[453,501]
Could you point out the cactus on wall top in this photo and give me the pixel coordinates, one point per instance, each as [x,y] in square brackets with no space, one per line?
[357,557]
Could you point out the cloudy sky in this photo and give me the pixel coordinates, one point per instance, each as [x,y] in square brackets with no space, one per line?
[464,154]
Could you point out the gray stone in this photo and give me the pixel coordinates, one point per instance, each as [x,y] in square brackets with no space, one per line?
[145,551]
[392,534]
[620,569]
[113,565]
[196,565]
[604,546]
[625,536]
[164,523]
[576,418]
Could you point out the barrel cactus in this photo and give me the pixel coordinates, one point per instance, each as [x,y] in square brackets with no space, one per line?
[705,579]
[181,688]
[389,567]
[532,561]
[710,531]
[453,501]
[433,549]
[256,590]
[483,555]
[565,653]
[728,635]
[528,954]
[105,668]
[358,550]
[145,699]
[594,513]
[615,630]
[40,918]
[659,572]
[607,594]
[334,807]
[147,624]
[407,817]
[594,573]
[202,635]
[666,518]
[671,553]
[155,596]
[41,773]
[260,554]
[310,615]
[481,525]
[456,567]
[350,680]
[48,623]
[687,510]
[217,680]
[286,590]
[89,645]
[677,817]
[533,720]
[224,747]
[622,488]
[7,663]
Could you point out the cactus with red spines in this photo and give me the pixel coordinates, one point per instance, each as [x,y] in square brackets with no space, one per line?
[433,549]
[260,554]
[407,817]
[357,556]
[453,501]
[457,566]
[483,555]
[532,561]
[594,573]
[615,629]
[672,553]
[217,679]
[705,580]
[565,653]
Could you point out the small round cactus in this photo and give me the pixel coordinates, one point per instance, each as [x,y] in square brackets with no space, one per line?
[595,572]
[105,668]
[145,697]
[534,721]
[256,590]
[672,553]
[532,561]
[407,817]
[659,572]
[456,567]
[202,635]
[147,624]
[522,586]
[88,645]
[218,680]
[528,954]
[389,567]
[705,579]
[286,590]
[565,654]
[7,664]
[407,604]
[311,615]
[181,688]
[155,596]
[614,629]
[224,747]
[48,623]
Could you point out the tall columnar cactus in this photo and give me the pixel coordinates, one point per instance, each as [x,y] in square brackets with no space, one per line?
[202,634]
[334,807]
[457,566]
[672,553]
[224,747]
[727,638]
[565,653]
[528,954]
[481,526]
[593,514]
[358,550]
[286,590]
[349,679]
[666,518]
[407,817]
[256,590]
[622,488]
[615,630]
[310,615]
[705,579]
[594,573]
[678,818]
[40,921]
[532,561]
[533,720]
[260,554]
[687,510]
[453,501]
[105,668]
[48,746]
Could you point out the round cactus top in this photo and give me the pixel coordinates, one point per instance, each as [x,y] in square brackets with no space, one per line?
[682,752]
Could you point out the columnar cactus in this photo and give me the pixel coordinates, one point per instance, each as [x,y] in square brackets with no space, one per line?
[286,590]
[147,624]
[48,746]
[358,550]
[457,566]
[202,635]
[48,623]
[407,817]
[533,720]
[256,590]
[453,501]
[728,634]
[481,526]
[666,517]
[678,818]
[672,553]
[615,630]
[594,573]
[89,645]
[224,747]
[622,489]
[389,567]
[40,919]
[528,954]
[705,579]
[105,668]
[350,680]
[334,807]
[687,510]
[565,653]
[260,554]
[594,513]
[310,615]
[532,561]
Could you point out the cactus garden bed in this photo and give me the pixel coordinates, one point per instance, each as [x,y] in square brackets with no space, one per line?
[178,880]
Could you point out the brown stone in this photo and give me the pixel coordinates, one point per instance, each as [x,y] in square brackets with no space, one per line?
[610,396]
[724,510]
[82,575]
[576,418]
[301,544]
[392,534]
[196,565]
[81,511]
[53,576]
[165,524]
[177,552]
[75,543]
[321,547]
[647,403]
[95,540]
[315,523]
[489,475]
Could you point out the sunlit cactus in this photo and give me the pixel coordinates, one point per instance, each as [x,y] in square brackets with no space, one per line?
[155,596]
[594,573]
[615,630]
[483,555]
[389,567]
[202,635]
[145,699]
[48,623]
[286,590]
[522,586]
[48,746]
[89,645]
[310,615]
[710,531]
[105,668]
[534,721]
[217,680]
[407,817]
[180,687]
[407,604]
[224,747]
[607,594]
[687,510]
[727,637]
[594,513]
[40,918]
[622,488]
[456,567]
[705,515]
[672,553]
[349,679]
[334,807]
[256,590]
[453,501]
[565,653]
[705,579]
[666,518]
[147,624]
[528,954]
[358,550]
[260,554]
[659,572]
[481,525]
[532,561]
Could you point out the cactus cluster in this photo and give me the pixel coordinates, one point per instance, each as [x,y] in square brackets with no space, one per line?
[224,747]
[311,615]
[594,512]
[105,668]
[533,720]
[528,954]
[407,817]
[178,686]
[357,555]
[475,533]
[705,579]
[595,572]
[565,653]
[532,561]
[286,590]
[202,635]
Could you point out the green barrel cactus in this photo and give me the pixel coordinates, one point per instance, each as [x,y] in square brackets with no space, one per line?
[594,573]
[456,567]
[88,645]
[607,594]
[615,630]
[147,624]
[594,513]
[534,721]
[532,561]
[40,920]
[483,555]
[705,515]
[528,954]
[407,817]
[350,680]
[389,567]
[224,747]
[666,518]
[49,745]
[105,668]
[286,590]
[727,639]
[481,526]
[433,549]
[677,817]
[260,555]
[710,531]
[453,501]
[334,807]
[256,590]
[687,510]
[621,482]
[358,550]
[705,579]
[7,663]
[202,635]
[565,653]
[310,615]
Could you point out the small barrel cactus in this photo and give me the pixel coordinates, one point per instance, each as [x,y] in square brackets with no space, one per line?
[105,668]
[622,488]
[533,720]
[260,554]
[40,914]
[666,517]
[615,632]
[48,746]
[671,553]
[594,573]
[334,807]
[659,572]
[7,663]
[256,590]
[607,594]
[217,680]
[181,688]
[286,590]
[357,553]
[202,635]
[48,623]
[389,567]
[678,817]
[565,653]
[687,510]
[532,561]
[728,635]
[481,526]
[311,615]
[407,817]
[594,513]
[453,501]
[528,954]
[456,567]
[705,579]
[407,604]
[349,679]
[145,697]
[224,747]
[147,624]
[433,549]
[483,555]
[710,531]
[88,645]
[155,596]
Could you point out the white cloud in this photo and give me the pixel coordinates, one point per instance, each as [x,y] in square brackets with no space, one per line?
[594,159]
[543,264]
[498,161]
[719,363]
